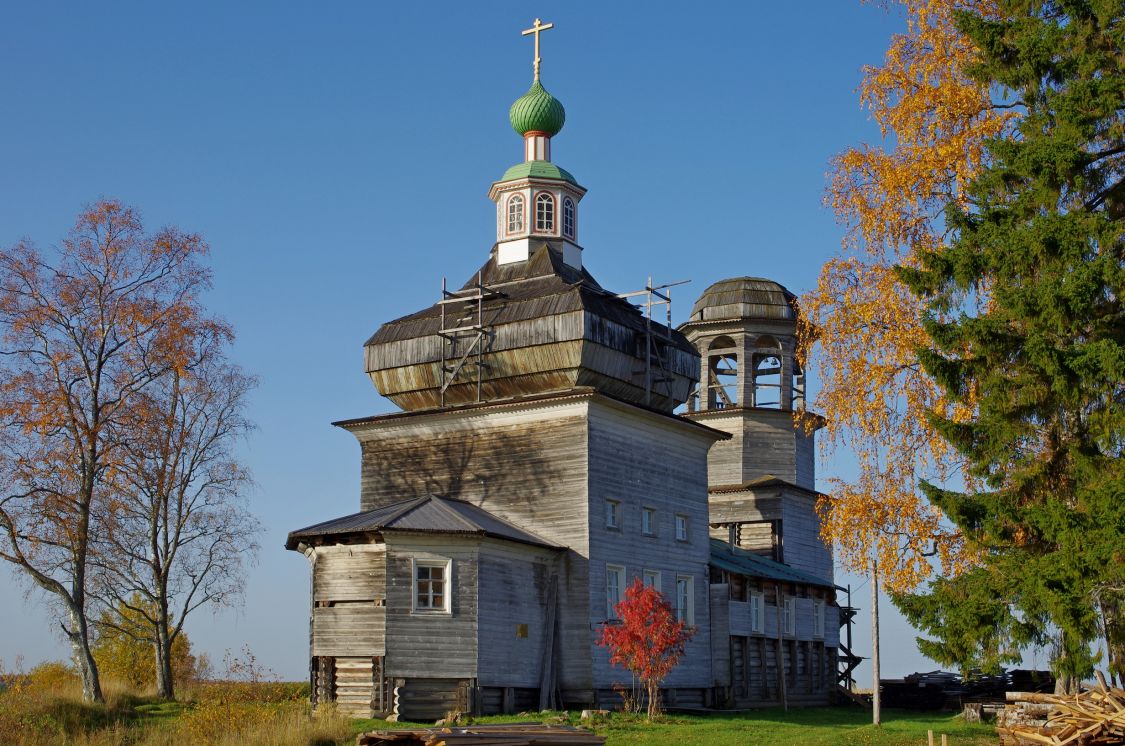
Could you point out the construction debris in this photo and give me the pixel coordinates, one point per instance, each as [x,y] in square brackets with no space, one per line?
[1095,716]
[506,734]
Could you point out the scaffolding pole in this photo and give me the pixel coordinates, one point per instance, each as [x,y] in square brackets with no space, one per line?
[461,342]
[655,352]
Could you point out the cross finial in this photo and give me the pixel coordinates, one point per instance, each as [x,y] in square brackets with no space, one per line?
[536,29]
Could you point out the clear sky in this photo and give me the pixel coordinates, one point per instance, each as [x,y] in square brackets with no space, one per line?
[337,157]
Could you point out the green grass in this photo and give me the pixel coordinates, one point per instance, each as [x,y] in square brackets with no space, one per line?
[828,726]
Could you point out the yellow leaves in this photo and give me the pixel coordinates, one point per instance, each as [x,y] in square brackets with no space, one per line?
[875,397]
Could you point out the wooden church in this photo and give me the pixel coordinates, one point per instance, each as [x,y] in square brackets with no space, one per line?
[538,466]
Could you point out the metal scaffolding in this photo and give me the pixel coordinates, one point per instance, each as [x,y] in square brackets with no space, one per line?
[464,343]
[657,337]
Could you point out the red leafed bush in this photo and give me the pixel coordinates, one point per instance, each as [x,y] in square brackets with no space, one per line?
[648,641]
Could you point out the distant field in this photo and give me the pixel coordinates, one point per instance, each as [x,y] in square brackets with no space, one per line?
[277,714]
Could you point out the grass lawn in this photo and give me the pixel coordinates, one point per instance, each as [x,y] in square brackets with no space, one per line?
[834,725]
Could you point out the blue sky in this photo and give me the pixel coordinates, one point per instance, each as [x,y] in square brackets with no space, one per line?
[337,157]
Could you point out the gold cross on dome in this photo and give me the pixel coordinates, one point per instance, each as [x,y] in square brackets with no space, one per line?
[537,28]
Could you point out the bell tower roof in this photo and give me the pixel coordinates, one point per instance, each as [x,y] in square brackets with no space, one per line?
[745,298]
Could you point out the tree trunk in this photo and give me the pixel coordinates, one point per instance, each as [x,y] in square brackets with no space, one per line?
[653,698]
[876,703]
[79,636]
[165,686]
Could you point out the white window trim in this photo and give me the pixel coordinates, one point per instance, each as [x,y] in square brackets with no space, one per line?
[686,524]
[447,574]
[789,616]
[757,613]
[613,514]
[651,513]
[688,616]
[655,574]
[619,572]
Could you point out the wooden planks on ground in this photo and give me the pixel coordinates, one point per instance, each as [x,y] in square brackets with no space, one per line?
[506,734]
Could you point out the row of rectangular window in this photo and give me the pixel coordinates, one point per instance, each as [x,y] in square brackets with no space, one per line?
[648,520]
[788,616]
[683,601]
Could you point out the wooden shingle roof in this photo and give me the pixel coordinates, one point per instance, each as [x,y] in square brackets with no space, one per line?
[550,327]
[429,514]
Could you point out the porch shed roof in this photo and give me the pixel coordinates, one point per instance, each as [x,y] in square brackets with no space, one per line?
[733,559]
[429,514]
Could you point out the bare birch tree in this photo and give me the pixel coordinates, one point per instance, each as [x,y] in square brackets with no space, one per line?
[179,534]
[84,334]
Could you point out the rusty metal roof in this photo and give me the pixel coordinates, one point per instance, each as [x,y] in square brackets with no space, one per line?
[430,514]
[745,298]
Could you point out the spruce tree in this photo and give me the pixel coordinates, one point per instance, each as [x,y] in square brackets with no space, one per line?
[1024,307]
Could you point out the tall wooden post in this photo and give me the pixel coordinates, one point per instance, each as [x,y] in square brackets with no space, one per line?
[875,698]
[780,652]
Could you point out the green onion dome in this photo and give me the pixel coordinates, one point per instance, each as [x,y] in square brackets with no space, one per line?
[537,111]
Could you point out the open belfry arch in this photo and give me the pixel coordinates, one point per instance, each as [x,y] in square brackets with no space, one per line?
[538,466]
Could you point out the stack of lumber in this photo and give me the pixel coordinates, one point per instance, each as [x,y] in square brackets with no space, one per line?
[1096,716]
[507,734]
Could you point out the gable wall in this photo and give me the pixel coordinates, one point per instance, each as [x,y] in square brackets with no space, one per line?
[644,460]
[526,465]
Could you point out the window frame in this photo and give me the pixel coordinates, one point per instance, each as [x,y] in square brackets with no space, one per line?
[818,620]
[513,201]
[757,602]
[682,519]
[789,616]
[446,565]
[568,215]
[545,219]
[648,515]
[657,580]
[685,612]
[619,572]
[613,514]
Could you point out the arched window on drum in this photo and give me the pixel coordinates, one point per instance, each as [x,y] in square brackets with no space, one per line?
[515,213]
[568,217]
[544,212]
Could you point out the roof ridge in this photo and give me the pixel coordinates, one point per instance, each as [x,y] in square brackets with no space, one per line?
[408,506]
[442,503]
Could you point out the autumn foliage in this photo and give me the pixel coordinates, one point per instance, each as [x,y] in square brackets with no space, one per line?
[864,326]
[649,641]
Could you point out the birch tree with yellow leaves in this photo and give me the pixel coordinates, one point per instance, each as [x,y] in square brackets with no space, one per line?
[864,326]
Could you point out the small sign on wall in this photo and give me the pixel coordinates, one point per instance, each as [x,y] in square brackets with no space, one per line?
[521,630]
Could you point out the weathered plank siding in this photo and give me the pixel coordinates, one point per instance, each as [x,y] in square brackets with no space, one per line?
[526,463]
[512,622]
[350,573]
[721,631]
[351,630]
[804,548]
[431,644]
[645,460]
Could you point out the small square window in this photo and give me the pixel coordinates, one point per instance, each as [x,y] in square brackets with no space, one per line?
[612,514]
[431,586]
[651,579]
[681,527]
[648,521]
